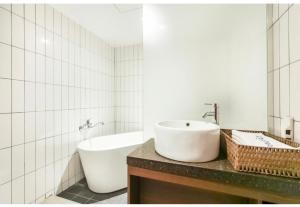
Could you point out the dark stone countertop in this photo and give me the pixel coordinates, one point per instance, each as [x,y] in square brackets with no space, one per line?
[219,170]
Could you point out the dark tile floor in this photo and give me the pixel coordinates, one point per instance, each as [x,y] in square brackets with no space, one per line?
[80,193]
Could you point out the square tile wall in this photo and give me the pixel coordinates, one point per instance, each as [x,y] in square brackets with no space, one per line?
[283,35]
[54,74]
[128,88]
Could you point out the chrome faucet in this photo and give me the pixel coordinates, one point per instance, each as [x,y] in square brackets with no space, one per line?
[88,124]
[212,113]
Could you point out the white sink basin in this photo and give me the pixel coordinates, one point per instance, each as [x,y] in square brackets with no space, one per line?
[187,141]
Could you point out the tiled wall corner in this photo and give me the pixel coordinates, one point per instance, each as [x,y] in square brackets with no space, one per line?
[54,74]
[283,34]
[128,88]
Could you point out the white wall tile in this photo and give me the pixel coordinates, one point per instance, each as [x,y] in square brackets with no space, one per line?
[5,167]
[49,44]
[271,124]
[40,182]
[295,95]
[5,193]
[17,161]
[5,91]
[40,153]
[65,27]
[17,31]
[29,66]
[57,22]
[57,97]
[294,18]
[50,177]
[284,40]
[18,128]
[40,40]
[29,36]
[5,63]
[40,97]
[288,77]
[275,12]
[276,45]
[17,96]
[64,73]
[284,91]
[6,6]
[65,121]
[29,126]
[30,188]
[40,125]
[283,8]
[57,47]
[18,190]
[18,9]
[128,95]
[277,125]
[29,96]
[64,145]
[57,72]
[30,151]
[64,92]
[297,132]
[49,150]
[18,63]
[5,26]
[5,128]
[49,97]
[57,147]
[49,17]
[40,68]
[49,70]
[49,123]
[30,12]
[40,14]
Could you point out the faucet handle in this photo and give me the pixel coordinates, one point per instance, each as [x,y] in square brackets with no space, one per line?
[208,104]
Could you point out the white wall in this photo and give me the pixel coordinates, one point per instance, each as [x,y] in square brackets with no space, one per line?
[205,53]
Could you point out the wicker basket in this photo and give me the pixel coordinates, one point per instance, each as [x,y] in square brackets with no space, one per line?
[270,161]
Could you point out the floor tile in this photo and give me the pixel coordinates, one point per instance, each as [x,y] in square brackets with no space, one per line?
[80,193]
[79,199]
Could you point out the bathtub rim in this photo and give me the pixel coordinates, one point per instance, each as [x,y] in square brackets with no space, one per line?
[82,148]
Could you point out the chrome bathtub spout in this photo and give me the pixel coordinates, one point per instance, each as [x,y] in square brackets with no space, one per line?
[88,124]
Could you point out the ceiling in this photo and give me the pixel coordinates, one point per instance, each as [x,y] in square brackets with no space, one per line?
[118,24]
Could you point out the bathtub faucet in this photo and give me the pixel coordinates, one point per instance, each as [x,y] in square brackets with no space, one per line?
[88,124]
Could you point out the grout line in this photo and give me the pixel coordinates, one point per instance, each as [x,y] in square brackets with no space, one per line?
[61,137]
[289,57]
[11,109]
[279,72]
[53,114]
[24,189]
[45,115]
[115,96]
[35,200]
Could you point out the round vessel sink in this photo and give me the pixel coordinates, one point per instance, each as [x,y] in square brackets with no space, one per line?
[187,141]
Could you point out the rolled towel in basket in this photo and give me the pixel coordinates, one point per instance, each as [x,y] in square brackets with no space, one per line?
[257,139]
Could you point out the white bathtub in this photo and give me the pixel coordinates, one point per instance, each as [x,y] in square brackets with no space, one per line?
[104,160]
